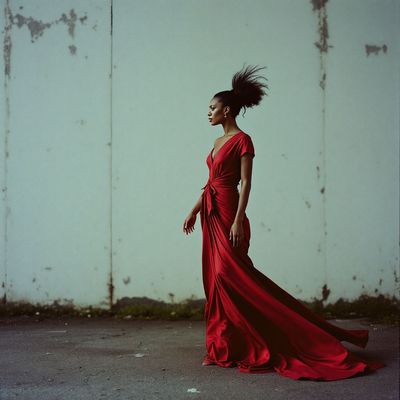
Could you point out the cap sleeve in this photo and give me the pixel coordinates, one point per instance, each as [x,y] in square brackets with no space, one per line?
[246,146]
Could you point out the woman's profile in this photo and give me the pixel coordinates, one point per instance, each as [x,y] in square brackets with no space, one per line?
[252,323]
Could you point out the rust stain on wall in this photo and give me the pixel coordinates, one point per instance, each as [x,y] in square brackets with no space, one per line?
[319,6]
[371,48]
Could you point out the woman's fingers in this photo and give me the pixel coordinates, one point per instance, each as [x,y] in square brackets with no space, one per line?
[187,227]
[236,240]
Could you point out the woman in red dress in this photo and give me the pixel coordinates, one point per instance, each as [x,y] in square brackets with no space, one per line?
[252,323]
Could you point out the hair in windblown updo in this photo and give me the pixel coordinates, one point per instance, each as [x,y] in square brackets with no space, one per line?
[247,91]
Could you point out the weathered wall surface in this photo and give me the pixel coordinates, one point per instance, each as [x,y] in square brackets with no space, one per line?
[56,151]
[104,139]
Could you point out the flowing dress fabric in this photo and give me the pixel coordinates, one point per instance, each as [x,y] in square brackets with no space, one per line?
[252,323]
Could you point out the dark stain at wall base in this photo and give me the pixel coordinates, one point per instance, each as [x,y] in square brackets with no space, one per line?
[371,48]
[379,309]
[110,290]
[325,292]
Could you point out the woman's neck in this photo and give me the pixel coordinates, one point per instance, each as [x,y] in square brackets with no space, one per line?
[230,126]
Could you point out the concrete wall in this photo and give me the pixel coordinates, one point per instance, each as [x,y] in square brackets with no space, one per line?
[104,138]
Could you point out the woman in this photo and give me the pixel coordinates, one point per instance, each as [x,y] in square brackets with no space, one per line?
[252,323]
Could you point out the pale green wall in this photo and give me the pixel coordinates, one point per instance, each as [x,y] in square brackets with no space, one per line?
[107,145]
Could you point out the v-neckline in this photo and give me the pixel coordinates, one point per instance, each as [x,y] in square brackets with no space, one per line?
[212,150]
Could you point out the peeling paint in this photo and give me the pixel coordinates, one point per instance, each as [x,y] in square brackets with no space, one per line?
[71,21]
[371,48]
[7,44]
[37,27]
[72,49]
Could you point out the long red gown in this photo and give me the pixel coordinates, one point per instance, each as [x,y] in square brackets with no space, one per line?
[252,323]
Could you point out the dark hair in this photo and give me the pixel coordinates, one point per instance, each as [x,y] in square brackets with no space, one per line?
[247,91]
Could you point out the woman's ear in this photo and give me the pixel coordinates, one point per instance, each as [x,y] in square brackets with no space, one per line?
[226,110]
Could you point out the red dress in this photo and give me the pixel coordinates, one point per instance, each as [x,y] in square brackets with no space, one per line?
[252,323]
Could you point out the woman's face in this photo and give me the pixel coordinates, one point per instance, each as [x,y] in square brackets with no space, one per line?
[216,111]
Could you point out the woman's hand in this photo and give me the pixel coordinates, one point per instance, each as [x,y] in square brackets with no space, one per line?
[236,233]
[188,224]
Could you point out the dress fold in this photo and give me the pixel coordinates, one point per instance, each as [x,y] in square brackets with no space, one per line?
[251,322]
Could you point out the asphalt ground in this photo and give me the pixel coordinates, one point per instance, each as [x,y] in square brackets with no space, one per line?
[110,358]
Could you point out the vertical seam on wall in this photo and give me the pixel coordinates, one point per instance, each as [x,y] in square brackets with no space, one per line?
[111,283]
[323,29]
[319,6]
[323,149]
[7,71]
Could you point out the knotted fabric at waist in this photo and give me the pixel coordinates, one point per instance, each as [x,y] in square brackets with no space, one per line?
[210,192]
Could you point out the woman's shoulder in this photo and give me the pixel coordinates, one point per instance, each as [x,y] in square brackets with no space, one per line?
[246,144]
[245,136]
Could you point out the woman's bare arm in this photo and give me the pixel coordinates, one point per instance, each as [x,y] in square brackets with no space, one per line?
[190,220]
[197,206]
[246,167]
[236,233]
